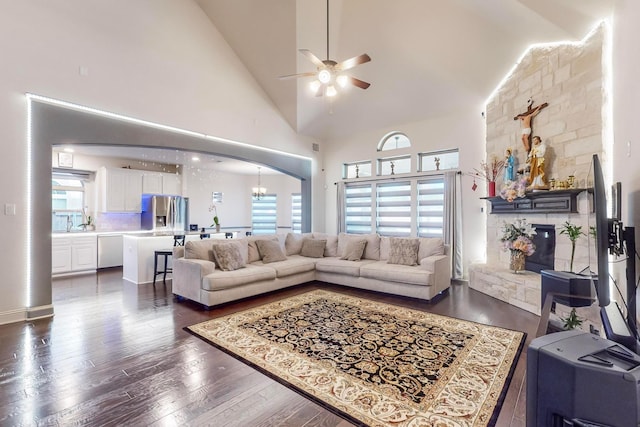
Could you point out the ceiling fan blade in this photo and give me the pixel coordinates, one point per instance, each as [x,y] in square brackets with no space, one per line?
[316,61]
[352,62]
[293,76]
[359,83]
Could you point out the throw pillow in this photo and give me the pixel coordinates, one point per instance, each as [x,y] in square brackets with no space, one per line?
[313,248]
[403,251]
[228,256]
[270,251]
[331,248]
[254,254]
[353,250]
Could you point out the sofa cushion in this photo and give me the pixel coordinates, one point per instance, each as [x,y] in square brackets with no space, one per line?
[313,248]
[331,248]
[430,246]
[270,251]
[403,251]
[354,250]
[371,250]
[229,279]
[294,264]
[228,256]
[339,266]
[381,270]
[293,243]
[198,250]
[385,248]
[253,252]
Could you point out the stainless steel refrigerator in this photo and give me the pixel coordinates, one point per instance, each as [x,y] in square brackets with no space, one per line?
[165,213]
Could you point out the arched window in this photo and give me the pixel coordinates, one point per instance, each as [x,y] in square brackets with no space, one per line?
[393,141]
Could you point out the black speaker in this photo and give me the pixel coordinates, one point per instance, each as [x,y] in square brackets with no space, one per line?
[563,282]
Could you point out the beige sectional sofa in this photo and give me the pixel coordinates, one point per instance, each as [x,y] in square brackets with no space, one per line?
[213,272]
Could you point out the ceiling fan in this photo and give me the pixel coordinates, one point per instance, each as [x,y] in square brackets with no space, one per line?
[329,72]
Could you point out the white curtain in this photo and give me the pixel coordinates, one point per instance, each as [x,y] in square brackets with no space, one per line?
[453,221]
[340,204]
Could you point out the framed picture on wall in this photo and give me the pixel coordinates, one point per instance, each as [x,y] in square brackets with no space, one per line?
[65,160]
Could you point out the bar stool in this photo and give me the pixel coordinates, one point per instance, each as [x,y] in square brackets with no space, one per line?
[178,240]
[165,254]
[228,235]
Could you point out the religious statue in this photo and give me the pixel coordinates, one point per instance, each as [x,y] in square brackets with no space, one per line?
[537,177]
[526,119]
[509,166]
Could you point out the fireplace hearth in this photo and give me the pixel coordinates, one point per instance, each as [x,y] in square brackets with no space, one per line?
[544,256]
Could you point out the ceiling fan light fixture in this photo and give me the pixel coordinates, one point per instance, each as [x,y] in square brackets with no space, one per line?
[342,80]
[314,86]
[331,91]
[324,76]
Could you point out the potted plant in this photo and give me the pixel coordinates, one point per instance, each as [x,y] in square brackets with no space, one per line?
[573,232]
[572,321]
[216,222]
[88,225]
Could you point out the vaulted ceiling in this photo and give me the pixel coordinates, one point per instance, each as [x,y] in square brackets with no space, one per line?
[429,57]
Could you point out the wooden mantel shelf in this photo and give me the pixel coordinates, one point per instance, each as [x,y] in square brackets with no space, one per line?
[552,201]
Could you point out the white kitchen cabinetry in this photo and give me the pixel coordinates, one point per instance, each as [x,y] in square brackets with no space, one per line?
[161,183]
[84,253]
[171,184]
[74,253]
[60,255]
[121,190]
[152,183]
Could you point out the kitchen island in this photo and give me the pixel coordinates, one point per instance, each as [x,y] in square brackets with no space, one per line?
[138,253]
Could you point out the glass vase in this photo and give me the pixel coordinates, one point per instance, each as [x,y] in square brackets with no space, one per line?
[516,263]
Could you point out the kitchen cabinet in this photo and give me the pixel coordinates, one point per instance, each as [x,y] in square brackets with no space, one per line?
[161,183]
[152,183]
[60,255]
[73,253]
[171,184]
[120,190]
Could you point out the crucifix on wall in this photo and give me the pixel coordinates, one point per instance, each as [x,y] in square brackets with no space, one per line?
[526,119]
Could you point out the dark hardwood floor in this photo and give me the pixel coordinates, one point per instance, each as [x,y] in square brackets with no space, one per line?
[116,354]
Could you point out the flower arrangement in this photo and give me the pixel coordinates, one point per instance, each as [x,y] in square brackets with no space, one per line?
[514,189]
[517,237]
[490,171]
[213,208]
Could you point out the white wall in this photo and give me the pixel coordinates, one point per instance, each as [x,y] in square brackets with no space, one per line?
[157,60]
[626,95]
[234,212]
[464,130]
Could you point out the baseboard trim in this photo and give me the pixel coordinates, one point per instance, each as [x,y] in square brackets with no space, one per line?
[39,312]
[13,316]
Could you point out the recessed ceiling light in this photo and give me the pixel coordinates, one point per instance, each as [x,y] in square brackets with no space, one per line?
[68,150]
[195,158]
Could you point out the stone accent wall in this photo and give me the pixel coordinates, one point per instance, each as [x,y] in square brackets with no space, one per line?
[569,77]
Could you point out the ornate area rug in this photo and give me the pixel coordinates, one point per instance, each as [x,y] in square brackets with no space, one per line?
[374,363]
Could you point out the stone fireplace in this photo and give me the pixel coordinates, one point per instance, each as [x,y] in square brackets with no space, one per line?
[570,78]
[544,256]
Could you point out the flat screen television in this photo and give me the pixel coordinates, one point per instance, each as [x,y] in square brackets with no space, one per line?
[610,236]
[602,234]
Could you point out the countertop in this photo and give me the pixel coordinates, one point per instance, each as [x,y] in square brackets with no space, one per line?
[137,233]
